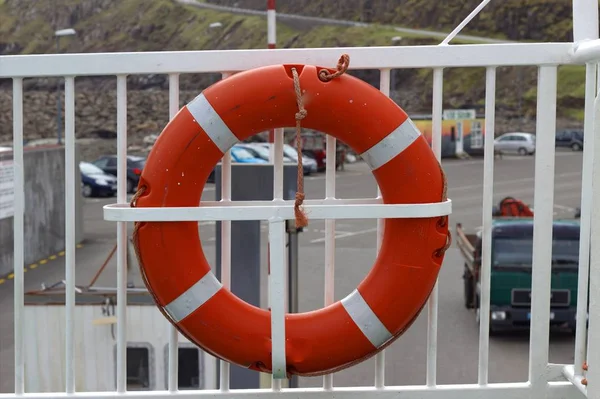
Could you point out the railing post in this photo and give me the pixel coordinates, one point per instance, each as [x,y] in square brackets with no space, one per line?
[585,20]
[277,289]
[542,229]
[593,353]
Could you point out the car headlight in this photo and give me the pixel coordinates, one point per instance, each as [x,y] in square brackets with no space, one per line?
[101,182]
[498,315]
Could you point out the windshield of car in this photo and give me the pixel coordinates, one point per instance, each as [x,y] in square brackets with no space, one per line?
[90,169]
[241,153]
[260,151]
[518,251]
[290,152]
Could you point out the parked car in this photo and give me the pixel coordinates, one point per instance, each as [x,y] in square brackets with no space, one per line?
[572,138]
[515,142]
[135,165]
[240,154]
[262,152]
[95,182]
[309,165]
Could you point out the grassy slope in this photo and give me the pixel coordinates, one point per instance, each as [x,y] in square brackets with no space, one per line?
[546,20]
[106,25]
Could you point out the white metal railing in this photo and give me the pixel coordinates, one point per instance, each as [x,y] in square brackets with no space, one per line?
[546,56]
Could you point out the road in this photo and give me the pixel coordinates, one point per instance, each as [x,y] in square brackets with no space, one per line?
[332,21]
[405,359]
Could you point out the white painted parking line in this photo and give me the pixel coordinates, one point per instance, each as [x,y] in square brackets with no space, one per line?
[513,181]
[346,234]
[564,208]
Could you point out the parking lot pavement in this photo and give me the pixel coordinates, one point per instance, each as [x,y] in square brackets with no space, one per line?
[355,253]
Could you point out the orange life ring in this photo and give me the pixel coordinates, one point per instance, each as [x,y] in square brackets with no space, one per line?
[385,303]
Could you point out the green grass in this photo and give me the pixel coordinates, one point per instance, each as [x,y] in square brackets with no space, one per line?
[570,92]
[143,25]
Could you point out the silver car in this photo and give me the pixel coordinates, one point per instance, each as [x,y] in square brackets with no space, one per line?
[310,165]
[515,143]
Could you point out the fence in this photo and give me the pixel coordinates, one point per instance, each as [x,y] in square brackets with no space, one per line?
[546,56]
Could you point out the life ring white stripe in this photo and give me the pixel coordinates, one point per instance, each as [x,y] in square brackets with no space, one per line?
[391,145]
[210,121]
[195,296]
[365,319]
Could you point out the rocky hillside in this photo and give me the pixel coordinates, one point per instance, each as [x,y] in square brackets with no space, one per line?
[539,20]
[27,26]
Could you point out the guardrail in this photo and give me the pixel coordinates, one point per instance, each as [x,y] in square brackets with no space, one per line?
[547,56]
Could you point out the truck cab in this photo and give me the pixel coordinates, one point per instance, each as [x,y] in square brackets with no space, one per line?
[511,267]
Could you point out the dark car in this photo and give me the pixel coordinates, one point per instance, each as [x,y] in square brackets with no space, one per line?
[572,138]
[135,165]
[95,182]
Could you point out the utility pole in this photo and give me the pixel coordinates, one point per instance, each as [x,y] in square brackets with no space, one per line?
[271,44]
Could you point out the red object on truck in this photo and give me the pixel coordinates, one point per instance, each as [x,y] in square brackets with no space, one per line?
[510,206]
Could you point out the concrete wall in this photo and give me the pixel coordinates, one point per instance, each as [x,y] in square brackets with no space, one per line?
[44,207]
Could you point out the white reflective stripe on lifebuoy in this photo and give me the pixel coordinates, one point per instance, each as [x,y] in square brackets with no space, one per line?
[210,121]
[391,145]
[196,296]
[365,319]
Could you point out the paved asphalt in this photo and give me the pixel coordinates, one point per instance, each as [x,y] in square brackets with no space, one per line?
[405,359]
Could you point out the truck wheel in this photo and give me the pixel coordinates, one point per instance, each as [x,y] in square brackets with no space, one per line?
[468,281]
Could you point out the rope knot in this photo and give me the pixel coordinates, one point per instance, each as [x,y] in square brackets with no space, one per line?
[301,114]
[301,219]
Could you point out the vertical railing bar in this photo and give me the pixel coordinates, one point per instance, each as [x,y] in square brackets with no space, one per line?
[19,234]
[432,305]
[593,352]
[224,367]
[70,185]
[278,310]
[384,87]
[278,164]
[330,174]
[488,194]
[122,235]
[173,333]
[542,228]
[277,149]
[584,220]
[276,155]
[598,77]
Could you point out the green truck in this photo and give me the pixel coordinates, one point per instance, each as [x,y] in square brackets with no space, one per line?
[510,288]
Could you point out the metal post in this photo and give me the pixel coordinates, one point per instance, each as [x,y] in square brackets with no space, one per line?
[58,110]
[57,35]
[585,20]
[271,44]
[249,182]
[293,250]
